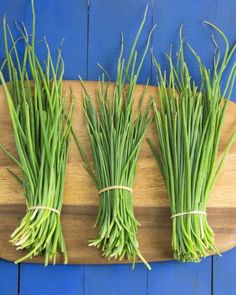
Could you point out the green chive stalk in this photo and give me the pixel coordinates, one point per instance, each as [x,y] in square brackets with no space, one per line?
[189,123]
[116,134]
[42,136]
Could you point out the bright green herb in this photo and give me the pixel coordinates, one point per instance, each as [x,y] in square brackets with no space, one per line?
[116,134]
[41,131]
[189,125]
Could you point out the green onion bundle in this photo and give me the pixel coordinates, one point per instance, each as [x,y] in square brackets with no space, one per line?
[189,123]
[116,135]
[42,135]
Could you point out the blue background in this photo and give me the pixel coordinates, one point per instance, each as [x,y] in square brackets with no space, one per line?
[91,31]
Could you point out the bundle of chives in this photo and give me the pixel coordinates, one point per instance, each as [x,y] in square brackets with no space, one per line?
[189,124]
[116,136]
[41,131]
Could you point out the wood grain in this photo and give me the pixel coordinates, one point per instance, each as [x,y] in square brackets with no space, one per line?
[81,199]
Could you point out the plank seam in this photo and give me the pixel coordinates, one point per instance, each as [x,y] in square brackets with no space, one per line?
[18,286]
[212,275]
[152,44]
[84,266]
[88,27]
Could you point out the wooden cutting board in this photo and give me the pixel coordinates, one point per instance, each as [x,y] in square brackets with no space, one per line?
[81,198]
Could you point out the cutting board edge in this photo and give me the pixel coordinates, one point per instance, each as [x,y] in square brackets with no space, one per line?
[113,262]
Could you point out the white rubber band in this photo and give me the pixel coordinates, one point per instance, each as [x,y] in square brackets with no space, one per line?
[44,208]
[113,187]
[187,213]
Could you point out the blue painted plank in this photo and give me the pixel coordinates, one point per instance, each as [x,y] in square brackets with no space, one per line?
[170,278]
[115,279]
[60,279]
[57,20]
[107,19]
[8,278]
[14,11]
[169,15]
[63,20]
[224,271]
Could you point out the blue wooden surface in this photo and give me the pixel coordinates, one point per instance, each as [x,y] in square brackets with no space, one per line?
[170,15]
[91,30]
[224,271]
[8,278]
[180,278]
[107,19]
[119,279]
[59,280]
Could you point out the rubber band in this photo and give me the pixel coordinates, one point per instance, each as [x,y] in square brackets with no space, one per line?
[188,213]
[44,208]
[113,187]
